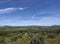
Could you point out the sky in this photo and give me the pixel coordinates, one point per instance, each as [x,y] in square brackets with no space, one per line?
[29,12]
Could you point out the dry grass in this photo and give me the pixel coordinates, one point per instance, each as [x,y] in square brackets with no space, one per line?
[53,41]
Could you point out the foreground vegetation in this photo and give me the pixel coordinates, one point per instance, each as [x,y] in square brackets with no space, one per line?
[30,35]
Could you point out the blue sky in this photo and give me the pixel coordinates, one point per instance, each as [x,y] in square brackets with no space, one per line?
[29,12]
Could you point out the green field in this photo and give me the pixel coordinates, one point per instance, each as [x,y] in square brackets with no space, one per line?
[30,35]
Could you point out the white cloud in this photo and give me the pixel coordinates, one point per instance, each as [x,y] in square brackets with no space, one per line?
[21,8]
[41,22]
[7,10]
[46,15]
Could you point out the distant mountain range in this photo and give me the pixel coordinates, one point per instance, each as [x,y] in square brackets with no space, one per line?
[7,26]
